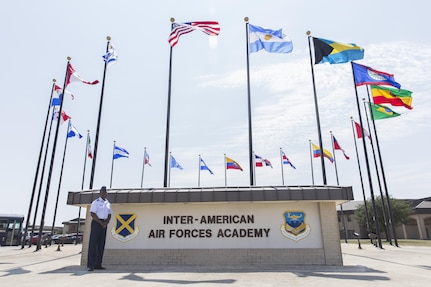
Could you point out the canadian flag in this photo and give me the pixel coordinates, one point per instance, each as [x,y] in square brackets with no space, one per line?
[73,76]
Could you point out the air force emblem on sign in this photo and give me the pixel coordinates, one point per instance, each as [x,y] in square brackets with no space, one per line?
[295,227]
[125,228]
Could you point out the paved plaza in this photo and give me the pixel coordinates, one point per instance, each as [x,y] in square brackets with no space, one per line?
[392,266]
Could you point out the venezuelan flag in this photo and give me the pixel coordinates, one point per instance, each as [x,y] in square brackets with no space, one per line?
[327,51]
[231,164]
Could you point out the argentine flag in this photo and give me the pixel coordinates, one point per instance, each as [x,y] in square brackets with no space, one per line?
[273,41]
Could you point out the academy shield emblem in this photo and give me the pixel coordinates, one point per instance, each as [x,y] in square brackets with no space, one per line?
[125,228]
[294,226]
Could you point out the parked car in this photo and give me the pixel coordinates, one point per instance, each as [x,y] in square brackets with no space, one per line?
[46,236]
[67,238]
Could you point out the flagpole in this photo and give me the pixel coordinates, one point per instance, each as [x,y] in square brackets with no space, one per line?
[96,139]
[382,199]
[336,176]
[379,240]
[82,185]
[316,106]
[250,137]
[37,171]
[112,165]
[225,168]
[282,168]
[61,176]
[143,167]
[168,116]
[360,177]
[311,161]
[42,175]
[384,177]
[199,172]
[170,169]
[54,147]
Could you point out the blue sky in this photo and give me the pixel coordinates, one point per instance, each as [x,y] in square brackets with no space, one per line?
[209,93]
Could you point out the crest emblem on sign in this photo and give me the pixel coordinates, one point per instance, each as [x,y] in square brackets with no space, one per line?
[125,228]
[295,227]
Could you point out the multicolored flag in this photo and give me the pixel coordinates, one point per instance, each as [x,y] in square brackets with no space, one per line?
[327,51]
[338,147]
[64,116]
[326,153]
[360,132]
[57,95]
[73,132]
[382,112]
[367,76]
[262,161]
[147,158]
[203,166]
[89,150]
[73,76]
[111,56]
[272,41]
[285,160]
[120,152]
[210,28]
[231,164]
[395,97]
[174,163]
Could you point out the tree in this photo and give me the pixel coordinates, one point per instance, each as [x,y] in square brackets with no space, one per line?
[401,211]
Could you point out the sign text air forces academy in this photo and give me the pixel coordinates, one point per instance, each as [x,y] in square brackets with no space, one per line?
[295,227]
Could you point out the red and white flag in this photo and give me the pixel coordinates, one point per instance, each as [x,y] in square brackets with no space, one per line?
[64,116]
[73,76]
[360,132]
[210,28]
[337,146]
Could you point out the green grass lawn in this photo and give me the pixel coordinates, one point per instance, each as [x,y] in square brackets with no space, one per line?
[401,242]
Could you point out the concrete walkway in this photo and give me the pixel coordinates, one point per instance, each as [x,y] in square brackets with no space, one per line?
[392,266]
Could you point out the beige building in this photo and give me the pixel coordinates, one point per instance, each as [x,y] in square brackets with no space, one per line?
[418,227]
[235,226]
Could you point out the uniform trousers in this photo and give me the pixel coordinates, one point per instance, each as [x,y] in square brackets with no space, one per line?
[96,246]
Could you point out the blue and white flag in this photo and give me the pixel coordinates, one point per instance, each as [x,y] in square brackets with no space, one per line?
[111,56]
[203,166]
[73,132]
[272,41]
[174,163]
[120,152]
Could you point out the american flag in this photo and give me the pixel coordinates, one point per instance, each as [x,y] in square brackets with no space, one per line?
[210,28]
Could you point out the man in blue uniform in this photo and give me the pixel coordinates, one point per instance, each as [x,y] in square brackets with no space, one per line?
[101,214]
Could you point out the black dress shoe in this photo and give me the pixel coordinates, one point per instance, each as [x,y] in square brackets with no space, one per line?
[100,268]
[90,269]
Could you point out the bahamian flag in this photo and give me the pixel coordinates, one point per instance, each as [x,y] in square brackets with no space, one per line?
[120,152]
[381,112]
[327,51]
[272,41]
